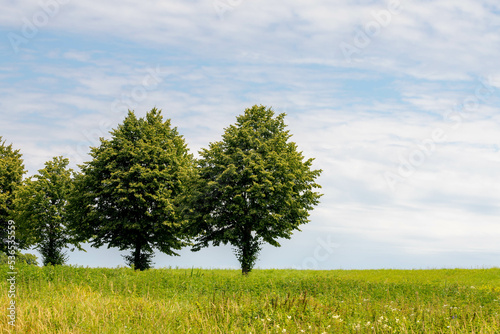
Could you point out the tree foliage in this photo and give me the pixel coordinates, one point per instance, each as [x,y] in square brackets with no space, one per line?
[19,257]
[41,211]
[11,176]
[127,196]
[253,187]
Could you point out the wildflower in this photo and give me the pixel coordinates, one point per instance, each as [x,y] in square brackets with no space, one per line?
[284,330]
[289,317]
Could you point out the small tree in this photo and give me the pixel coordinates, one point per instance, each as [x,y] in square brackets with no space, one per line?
[11,176]
[25,258]
[28,258]
[127,196]
[41,211]
[253,187]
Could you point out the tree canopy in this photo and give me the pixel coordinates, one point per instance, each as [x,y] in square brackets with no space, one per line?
[127,196]
[253,187]
[41,211]
[11,176]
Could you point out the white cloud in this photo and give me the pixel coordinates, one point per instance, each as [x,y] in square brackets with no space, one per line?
[422,39]
[358,119]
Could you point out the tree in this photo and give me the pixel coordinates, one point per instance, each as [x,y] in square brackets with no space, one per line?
[41,211]
[253,187]
[25,258]
[128,195]
[11,176]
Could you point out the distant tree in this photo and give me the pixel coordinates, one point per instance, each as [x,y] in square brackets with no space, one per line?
[25,258]
[127,196]
[253,187]
[4,258]
[11,176]
[41,211]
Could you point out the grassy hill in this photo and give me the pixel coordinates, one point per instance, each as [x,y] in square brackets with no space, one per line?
[67,299]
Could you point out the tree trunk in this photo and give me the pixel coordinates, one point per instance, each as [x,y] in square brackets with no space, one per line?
[245,261]
[137,256]
[249,249]
[51,251]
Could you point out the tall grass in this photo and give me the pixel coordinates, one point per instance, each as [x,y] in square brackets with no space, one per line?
[65,299]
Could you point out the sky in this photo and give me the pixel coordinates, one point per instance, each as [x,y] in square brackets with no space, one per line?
[398,102]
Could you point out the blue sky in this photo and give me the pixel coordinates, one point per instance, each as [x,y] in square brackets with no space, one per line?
[398,101]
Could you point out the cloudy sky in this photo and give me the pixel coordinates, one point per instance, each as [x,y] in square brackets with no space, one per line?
[398,101]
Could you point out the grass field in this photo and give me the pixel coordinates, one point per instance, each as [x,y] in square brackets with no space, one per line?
[68,299]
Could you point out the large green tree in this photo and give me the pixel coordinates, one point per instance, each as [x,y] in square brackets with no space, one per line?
[11,176]
[127,196]
[253,187]
[41,211]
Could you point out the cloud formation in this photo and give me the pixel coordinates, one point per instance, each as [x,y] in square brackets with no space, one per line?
[416,97]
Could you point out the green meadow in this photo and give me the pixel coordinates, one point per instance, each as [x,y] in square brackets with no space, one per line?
[68,299]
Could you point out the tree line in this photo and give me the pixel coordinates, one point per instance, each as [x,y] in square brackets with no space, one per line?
[143,191]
